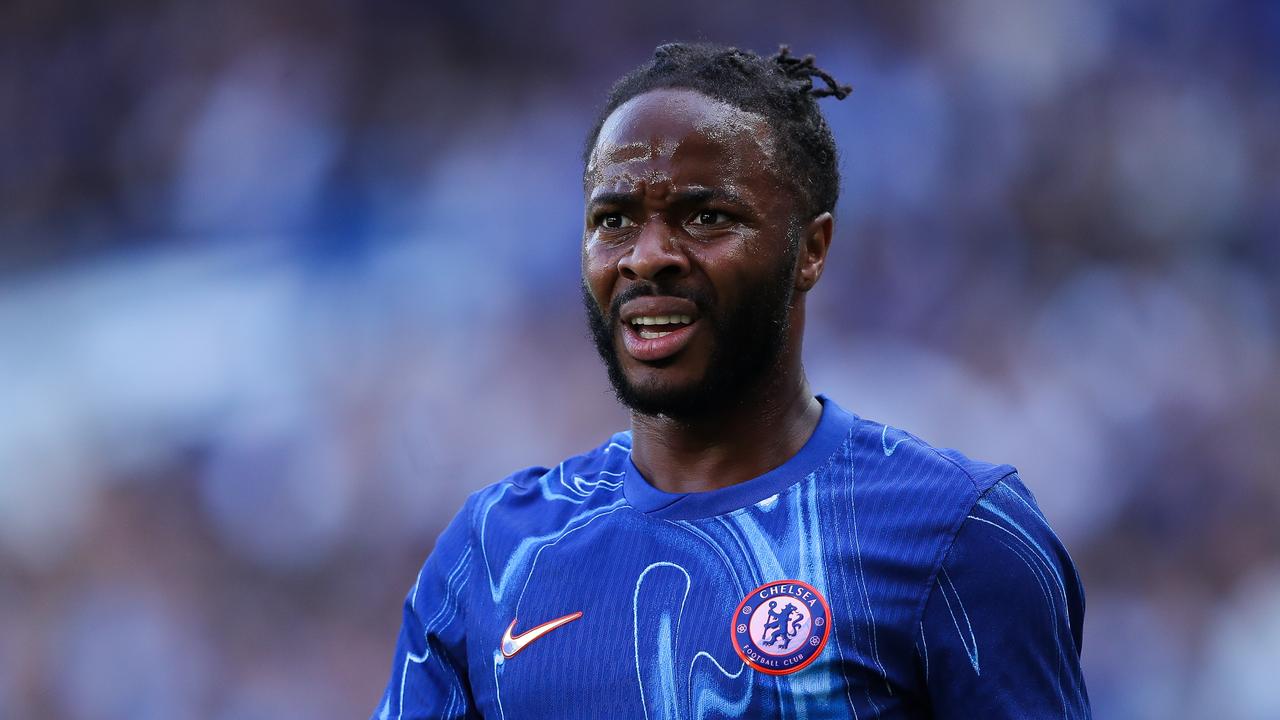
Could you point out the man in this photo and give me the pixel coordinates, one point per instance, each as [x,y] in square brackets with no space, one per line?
[747,549]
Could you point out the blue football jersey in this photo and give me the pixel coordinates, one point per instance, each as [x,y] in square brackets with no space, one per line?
[870,576]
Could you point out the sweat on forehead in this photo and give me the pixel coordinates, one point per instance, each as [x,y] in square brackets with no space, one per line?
[677,124]
[782,89]
[656,122]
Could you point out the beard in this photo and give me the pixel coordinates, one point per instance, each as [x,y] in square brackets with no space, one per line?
[748,343]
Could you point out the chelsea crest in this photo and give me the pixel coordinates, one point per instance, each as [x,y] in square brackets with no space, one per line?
[782,626]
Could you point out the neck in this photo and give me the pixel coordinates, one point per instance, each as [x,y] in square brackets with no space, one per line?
[731,445]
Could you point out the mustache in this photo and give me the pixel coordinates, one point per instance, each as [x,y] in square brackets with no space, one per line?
[649,289]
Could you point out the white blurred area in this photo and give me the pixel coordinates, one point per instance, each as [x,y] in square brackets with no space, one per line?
[279,288]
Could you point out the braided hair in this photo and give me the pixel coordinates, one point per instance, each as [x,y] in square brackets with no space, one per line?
[780,88]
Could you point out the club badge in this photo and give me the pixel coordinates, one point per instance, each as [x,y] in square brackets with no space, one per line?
[781,627]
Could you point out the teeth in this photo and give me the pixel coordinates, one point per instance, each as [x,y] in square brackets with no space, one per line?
[662,320]
[651,334]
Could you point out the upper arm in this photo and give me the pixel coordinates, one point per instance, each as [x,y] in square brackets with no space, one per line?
[429,670]
[1001,629]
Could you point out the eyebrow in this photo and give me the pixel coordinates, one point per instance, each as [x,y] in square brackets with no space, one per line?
[692,196]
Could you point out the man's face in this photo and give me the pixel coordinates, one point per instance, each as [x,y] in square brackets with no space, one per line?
[688,254]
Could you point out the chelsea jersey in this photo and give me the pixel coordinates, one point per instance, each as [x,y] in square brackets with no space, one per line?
[871,576]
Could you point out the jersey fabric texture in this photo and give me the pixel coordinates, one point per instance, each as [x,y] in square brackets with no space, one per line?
[948,595]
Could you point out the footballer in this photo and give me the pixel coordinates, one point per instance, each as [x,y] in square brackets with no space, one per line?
[748,548]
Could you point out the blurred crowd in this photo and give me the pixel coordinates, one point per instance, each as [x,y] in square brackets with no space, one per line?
[275,276]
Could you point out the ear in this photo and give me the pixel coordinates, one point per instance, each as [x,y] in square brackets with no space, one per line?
[815,240]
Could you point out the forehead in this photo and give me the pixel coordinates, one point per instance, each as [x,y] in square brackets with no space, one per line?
[671,134]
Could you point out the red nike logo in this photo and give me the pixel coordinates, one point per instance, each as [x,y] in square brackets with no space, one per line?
[513,644]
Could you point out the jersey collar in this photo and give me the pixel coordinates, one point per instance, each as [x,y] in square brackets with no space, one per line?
[832,430]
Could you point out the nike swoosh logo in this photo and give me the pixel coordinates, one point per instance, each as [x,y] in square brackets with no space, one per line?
[513,644]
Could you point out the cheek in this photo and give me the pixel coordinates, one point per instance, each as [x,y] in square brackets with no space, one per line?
[599,272]
[729,267]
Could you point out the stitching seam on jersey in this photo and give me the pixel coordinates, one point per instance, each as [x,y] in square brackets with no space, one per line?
[946,552]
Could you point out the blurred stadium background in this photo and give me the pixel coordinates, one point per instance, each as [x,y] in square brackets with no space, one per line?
[272,275]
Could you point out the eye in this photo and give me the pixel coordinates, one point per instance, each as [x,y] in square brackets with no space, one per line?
[708,217]
[614,221]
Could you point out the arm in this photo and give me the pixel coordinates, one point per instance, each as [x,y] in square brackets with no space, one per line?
[429,672]
[1001,630]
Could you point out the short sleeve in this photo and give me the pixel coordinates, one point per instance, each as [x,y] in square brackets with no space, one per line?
[1000,635]
[429,671]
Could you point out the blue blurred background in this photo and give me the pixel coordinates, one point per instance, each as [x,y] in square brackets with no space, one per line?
[273,276]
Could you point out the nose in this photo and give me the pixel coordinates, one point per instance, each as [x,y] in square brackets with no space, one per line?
[656,255]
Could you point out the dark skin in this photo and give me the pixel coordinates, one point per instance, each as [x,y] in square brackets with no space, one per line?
[682,194]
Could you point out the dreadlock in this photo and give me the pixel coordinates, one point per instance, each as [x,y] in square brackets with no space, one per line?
[780,88]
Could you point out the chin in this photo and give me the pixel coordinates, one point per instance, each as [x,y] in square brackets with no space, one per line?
[669,404]
[669,397]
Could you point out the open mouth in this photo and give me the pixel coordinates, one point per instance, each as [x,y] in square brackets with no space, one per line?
[657,338]
[657,328]
[651,327]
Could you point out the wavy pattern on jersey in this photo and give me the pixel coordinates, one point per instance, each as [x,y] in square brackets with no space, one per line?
[659,691]
[676,676]
[1020,553]
[567,502]
[577,498]
[959,618]
[777,538]
[868,526]
[1000,508]
[437,617]
[578,486]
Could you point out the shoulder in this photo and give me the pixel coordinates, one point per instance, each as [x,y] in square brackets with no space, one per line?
[912,498]
[1006,523]
[988,540]
[906,464]
[535,498]
[1008,604]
